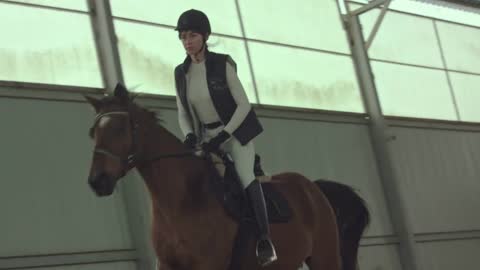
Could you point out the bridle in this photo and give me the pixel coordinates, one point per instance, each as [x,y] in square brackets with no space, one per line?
[132,158]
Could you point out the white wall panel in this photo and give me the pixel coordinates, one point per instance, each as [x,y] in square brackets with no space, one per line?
[439,170]
[460,254]
[46,205]
[98,266]
[381,257]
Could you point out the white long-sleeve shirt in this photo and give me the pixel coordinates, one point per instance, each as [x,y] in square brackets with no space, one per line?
[198,96]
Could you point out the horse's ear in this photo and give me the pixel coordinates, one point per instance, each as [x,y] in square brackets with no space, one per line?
[121,92]
[96,103]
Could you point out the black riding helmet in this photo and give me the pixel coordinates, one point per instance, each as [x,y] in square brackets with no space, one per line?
[193,20]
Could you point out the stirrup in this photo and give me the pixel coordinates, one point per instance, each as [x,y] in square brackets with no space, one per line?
[266,259]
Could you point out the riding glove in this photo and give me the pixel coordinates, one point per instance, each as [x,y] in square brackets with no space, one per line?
[214,144]
[190,140]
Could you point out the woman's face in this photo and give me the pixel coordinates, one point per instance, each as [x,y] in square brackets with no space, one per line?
[192,42]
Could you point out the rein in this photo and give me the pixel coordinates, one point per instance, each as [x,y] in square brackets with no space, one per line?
[177,155]
[132,158]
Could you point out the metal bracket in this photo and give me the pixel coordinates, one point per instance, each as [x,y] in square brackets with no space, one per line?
[378,22]
[368,7]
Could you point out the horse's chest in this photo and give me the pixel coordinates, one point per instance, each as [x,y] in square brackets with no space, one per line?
[189,244]
[187,255]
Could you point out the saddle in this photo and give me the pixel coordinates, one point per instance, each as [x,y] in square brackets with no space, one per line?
[231,194]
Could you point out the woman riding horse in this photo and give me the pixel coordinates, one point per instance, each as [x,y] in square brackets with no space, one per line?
[215,112]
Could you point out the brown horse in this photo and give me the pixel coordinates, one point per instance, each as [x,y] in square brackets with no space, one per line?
[190,229]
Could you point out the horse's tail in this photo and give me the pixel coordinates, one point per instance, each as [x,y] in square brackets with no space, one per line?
[352,218]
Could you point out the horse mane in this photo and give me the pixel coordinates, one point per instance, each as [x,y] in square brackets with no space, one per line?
[149,115]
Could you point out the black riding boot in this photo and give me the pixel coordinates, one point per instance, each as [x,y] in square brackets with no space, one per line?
[265,251]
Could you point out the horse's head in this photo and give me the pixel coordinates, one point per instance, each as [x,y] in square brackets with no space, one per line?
[114,133]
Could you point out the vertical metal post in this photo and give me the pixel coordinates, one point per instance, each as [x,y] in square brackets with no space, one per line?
[130,187]
[380,138]
[106,42]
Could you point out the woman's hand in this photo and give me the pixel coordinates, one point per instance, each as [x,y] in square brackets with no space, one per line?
[190,140]
[214,144]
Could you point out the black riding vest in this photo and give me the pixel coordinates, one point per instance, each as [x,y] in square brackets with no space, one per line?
[220,94]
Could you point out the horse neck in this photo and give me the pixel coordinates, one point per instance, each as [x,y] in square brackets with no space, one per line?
[176,184]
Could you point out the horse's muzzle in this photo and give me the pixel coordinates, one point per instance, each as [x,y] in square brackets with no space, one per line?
[102,184]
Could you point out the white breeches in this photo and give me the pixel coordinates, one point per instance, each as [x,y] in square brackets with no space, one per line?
[243,155]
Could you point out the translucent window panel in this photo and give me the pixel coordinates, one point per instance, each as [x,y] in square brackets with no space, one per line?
[150,54]
[413,92]
[403,38]
[70,4]
[221,13]
[47,46]
[467,93]
[306,79]
[440,10]
[309,23]
[461,46]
